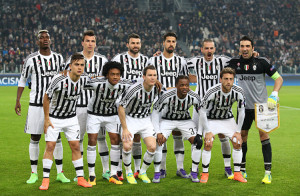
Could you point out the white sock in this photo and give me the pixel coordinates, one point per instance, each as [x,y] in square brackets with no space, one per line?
[103,152]
[114,159]
[163,164]
[34,152]
[58,154]
[237,155]
[196,155]
[157,158]
[179,151]
[206,155]
[226,151]
[78,164]
[127,161]
[47,164]
[148,158]
[91,159]
[137,155]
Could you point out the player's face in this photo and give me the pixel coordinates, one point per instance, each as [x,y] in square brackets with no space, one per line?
[246,49]
[150,77]
[227,82]
[170,44]
[208,49]
[134,45]
[89,43]
[114,76]
[183,87]
[77,67]
[44,40]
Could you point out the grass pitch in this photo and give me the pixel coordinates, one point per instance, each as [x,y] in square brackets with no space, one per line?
[15,164]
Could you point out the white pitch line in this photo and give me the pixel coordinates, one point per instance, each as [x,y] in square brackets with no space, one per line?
[292,108]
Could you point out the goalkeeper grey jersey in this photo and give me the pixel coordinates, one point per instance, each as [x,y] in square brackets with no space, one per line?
[250,75]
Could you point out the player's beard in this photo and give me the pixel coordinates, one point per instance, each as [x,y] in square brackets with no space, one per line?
[170,50]
[133,51]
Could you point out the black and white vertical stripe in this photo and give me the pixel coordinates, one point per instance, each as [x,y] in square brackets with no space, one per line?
[137,101]
[169,69]
[64,94]
[172,108]
[218,104]
[103,101]
[42,69]
[133,67]
[208,73]
[93,68]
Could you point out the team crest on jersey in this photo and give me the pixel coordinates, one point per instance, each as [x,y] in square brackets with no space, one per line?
[217,67]
[97,66]
[66,85]
[125,60]
[176,65]
[254,67]
[246,67]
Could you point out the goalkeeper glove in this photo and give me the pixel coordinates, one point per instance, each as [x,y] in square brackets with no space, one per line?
[272,100]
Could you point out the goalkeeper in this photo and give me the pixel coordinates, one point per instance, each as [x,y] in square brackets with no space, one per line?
[250,75]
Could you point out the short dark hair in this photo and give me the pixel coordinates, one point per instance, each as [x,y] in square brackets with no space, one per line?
[151,67]
[181,77]
[40,32]
[169,34]
[76,57]
[88,33]
[246,38]
[207,40]
[112,65]
[228,70]
[133,35]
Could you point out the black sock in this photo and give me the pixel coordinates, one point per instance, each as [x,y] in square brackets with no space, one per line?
[244,149]
[267,153]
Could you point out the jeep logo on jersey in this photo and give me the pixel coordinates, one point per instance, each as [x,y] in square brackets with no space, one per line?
[250,78]
[72,97]
[49,73]
[209,77]
[169,73]
[134,72]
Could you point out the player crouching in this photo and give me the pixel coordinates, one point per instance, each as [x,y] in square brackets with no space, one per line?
[216,117]
[60,115]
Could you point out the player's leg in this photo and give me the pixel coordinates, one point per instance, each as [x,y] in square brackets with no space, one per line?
[179,153]
[81,113]
[58,156]
[126,154]
[120,169]
[267,154]
[237,159]
[34,151]
[150,143]
[226,151]
[206,156]
[163,164]
[137,154]
[103,152]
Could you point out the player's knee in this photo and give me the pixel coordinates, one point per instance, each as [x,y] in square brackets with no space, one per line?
[263,135]
[236,146]
[92,139]
[35,137]
[221,136]
[208,147]
[74,145]
[50,147]
[114,140]
[177,133]
[152,147]
[127,146]
[137,138]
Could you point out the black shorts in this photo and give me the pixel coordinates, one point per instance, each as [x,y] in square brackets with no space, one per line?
[249,118]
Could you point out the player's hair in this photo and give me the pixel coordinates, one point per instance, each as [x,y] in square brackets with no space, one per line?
[169,34]
[228,70]
[181,77]
[133,35]
[112,65]
[88,33]
[207,40]
[246,38]
[151,67]
[40,32]
[76,57]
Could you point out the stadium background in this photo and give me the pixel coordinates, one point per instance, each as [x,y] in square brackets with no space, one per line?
[274,25]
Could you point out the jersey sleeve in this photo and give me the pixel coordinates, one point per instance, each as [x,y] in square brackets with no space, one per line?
[268,68]
[53,86]
[26,70]
[184,70]
[127,96]
[67,63]
[116,58]
[150,61]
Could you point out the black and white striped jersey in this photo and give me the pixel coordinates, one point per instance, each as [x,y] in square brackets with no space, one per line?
[41,69]
[168,69]
[171,107]
[133,67]
[208,73]
[137,101]
[93,68]
[64,94]
[218,104]
[103,101]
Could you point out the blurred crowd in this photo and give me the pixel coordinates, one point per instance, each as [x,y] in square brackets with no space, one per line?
[272,23]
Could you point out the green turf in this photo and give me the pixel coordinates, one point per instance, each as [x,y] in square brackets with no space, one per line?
[15,167]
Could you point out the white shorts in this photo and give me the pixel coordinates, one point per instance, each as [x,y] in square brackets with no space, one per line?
[69,126]
[227,127]
[81,113]
[142,126]
[35,120]
[96,124]
[187,128]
